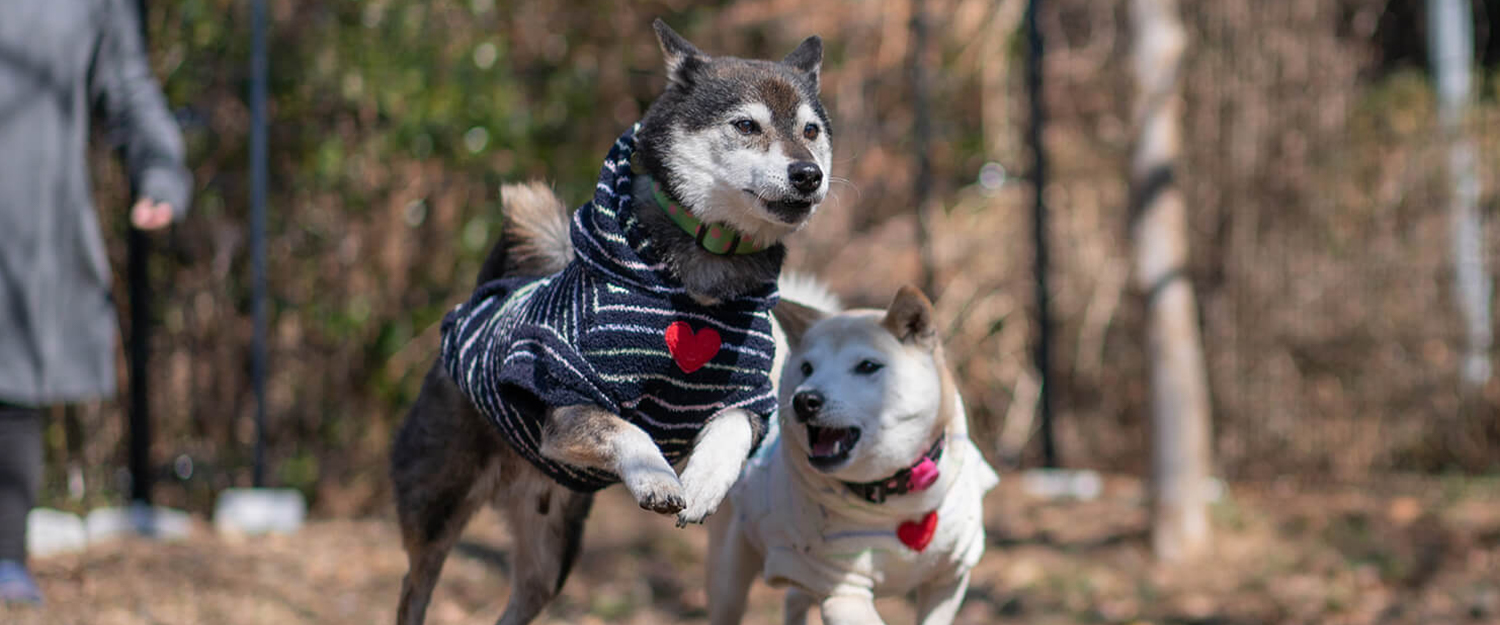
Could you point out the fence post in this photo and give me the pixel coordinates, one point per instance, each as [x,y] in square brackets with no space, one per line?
[1042,265]
[258,228]
[137,283]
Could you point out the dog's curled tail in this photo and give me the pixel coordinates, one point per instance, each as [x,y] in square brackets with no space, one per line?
[534,239]
[807,290]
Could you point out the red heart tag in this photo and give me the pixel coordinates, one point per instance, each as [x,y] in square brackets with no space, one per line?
[918,535]
[691,349]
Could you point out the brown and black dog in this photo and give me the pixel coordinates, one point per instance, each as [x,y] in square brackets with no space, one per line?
[739,144]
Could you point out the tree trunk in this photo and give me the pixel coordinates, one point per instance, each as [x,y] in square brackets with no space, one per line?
[1179,385]
[1450,41]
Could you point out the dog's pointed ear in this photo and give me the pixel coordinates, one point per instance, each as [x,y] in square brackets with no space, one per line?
[682,58]
[795,319]
[910,318]
[807,58]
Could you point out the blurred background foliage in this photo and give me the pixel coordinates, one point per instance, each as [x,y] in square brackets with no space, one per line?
[1312,176]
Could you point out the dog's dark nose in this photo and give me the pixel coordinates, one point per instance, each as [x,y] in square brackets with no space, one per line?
[805,176]
[807,404]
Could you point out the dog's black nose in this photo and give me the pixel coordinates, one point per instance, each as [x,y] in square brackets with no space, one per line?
[805,176]
[807,404]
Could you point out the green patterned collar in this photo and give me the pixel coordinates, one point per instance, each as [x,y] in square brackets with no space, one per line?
[717,239]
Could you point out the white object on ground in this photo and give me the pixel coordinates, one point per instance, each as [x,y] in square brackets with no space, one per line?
[1217,490]
[1062,484]
[51,531]
[138,520]
[260,511]
[1087,485]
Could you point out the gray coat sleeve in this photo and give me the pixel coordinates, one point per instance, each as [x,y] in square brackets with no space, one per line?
[135,111]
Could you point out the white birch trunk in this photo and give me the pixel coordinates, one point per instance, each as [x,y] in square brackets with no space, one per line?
[1179,385]
[1450,43]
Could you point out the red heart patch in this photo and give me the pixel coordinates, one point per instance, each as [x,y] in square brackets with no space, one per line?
[691,349]
[918,535]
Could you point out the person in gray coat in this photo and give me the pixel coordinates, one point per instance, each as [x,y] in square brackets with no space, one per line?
[60,62]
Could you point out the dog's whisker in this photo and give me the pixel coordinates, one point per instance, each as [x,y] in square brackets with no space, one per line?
[859,195]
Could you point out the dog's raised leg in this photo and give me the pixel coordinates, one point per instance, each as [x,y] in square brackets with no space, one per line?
[719,455]
[733,564]
[850,610]
[590,436]
[938,601]
[547,524]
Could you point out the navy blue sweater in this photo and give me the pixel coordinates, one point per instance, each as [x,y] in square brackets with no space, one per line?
[614,329]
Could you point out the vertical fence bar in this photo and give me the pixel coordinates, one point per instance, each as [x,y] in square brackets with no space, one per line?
[137,276]
[258,228]
[1039,231]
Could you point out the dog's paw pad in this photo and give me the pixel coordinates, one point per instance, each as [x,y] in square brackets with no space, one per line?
[660,494]
[670,504]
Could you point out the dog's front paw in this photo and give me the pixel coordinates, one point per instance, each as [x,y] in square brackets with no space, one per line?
[704,494]
[657,491]
[693,515]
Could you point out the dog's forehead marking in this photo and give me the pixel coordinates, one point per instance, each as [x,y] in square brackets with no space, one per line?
[781,96]
[768,81]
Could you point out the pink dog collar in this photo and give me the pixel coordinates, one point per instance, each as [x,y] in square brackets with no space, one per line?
[916,478]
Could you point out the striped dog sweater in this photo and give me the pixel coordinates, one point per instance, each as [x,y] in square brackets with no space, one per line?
[614,329]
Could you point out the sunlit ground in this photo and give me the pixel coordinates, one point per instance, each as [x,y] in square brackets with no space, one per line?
[1430,555]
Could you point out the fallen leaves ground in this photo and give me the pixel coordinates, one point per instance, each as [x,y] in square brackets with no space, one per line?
[1419,552]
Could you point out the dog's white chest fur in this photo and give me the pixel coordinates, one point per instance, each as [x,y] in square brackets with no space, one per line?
[817,536]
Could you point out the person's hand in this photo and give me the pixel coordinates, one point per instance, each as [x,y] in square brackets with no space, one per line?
[148,214]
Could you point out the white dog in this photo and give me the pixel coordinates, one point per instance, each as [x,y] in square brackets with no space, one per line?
[870,485]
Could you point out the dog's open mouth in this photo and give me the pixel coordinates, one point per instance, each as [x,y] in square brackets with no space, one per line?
[790,210]
[790,206]
[830,446]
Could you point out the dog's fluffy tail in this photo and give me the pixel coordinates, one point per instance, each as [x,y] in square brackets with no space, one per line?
[534,240]
[809,291]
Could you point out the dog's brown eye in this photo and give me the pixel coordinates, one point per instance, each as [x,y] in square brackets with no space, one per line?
[810,131]
[806,369]
[747,127]
[866,367]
